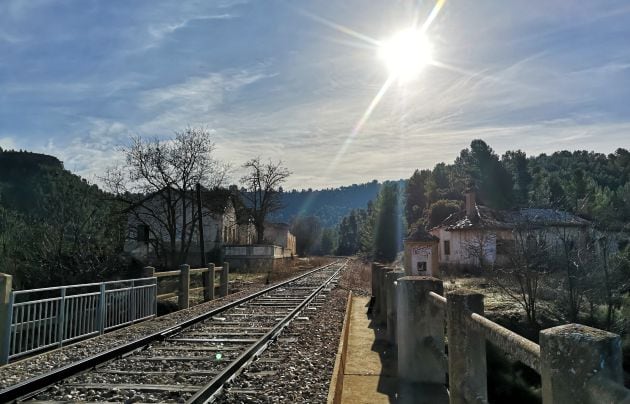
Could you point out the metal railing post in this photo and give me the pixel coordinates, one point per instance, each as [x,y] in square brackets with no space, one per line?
[102,310]
[149,272]
[184,286]
[61,318]
[223,289]
[132,294]
[155,297]
[6,315]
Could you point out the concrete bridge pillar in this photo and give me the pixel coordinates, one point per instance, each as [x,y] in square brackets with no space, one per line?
[376,288]
[420,331]
[576,360]
[391,279]
[467,371]
[380,317]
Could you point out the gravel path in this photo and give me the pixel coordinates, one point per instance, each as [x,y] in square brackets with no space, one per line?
[298,367]
[16,372]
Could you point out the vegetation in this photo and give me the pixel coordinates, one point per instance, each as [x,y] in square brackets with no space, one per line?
[308,233]
[55,228]
[387,228]
[156,186]
[261,194]
[329,205]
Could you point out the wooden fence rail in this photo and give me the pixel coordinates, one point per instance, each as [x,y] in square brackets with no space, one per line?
[184,290]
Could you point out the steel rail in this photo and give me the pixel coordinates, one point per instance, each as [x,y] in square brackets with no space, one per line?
[214,387]
[31,387]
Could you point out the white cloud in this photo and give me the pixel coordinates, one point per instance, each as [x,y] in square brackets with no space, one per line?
[8,142]
[194,101]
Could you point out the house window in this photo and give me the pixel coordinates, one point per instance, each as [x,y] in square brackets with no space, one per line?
[142,233]
[447,247]
[421,266]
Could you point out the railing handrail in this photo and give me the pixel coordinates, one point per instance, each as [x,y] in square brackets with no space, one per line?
[574,361]
[34,325]
[177,272]
[76,286]
[526,351]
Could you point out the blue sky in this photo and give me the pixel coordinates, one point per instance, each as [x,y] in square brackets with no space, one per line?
[277,79]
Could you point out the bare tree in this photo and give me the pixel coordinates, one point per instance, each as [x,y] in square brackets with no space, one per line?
[527,265]
[157,183]
[575,257]
[480,248]
[261,194]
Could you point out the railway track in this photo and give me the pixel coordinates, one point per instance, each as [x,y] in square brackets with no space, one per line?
[190,362]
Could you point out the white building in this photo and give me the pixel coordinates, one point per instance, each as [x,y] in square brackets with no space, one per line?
[150,227]
[480,232]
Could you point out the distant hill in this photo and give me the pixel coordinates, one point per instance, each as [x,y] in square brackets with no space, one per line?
[328,205]
[25,176]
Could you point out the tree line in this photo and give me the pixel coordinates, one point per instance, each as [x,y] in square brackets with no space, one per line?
[582,276]
[56,228]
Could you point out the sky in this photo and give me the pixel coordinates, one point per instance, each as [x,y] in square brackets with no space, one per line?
[292,81]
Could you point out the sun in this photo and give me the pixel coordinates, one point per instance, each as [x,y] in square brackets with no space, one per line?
[405,54]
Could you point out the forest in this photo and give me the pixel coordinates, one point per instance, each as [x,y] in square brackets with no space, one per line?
[592,185]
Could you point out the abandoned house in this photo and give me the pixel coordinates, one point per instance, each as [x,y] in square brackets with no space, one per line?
[479,234]
[154,219]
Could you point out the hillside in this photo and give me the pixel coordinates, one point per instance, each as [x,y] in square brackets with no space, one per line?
[25,176]
[55,228]
[328,205]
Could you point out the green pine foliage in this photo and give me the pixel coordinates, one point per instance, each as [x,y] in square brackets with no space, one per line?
[55,228]
[387,229]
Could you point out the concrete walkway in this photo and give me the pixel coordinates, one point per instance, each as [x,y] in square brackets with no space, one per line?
[370,371]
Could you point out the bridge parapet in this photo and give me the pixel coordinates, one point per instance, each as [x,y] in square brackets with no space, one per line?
[577,364]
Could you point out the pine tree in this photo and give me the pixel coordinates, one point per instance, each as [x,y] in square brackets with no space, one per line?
[387,230]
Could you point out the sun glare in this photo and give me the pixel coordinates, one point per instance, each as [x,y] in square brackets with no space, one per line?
[405,54]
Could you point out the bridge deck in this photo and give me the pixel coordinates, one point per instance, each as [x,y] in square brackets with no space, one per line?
[370,374]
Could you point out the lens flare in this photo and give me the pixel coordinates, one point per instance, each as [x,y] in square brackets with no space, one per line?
[406,53]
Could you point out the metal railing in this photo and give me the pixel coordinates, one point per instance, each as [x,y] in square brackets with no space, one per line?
[38,319]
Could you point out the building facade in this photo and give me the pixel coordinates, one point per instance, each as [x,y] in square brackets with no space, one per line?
[480,236]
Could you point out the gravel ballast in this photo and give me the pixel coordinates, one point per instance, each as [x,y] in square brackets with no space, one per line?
[19,371]
[298,366]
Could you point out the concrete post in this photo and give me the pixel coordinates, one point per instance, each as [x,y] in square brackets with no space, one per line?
[223,287]
[148,272]
[379,312]
[376,268]
[381,318]
[6,286]
[208,282]
[466,349]
[184,286]
[391,279]
[570,355]
[420,331]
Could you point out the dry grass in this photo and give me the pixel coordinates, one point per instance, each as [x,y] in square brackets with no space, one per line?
[357,277]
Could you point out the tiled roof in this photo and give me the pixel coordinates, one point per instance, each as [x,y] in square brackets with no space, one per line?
[419,234]
[486,218]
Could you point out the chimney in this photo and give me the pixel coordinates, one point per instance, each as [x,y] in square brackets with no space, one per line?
[471,203]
